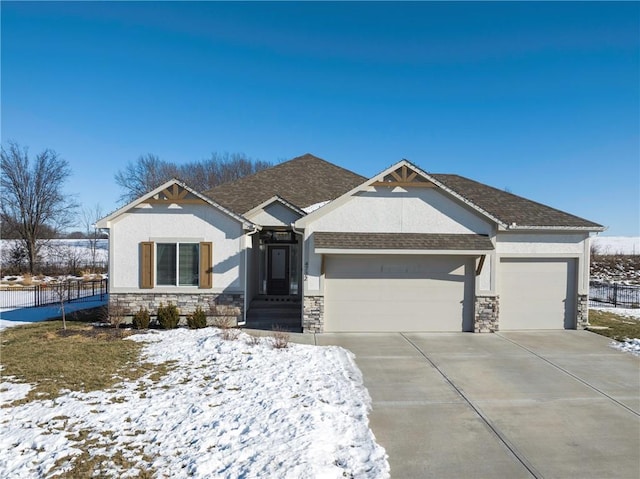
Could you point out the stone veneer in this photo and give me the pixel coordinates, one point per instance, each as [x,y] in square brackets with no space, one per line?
[313,314]
[214,304]
[487,312]
[582,311]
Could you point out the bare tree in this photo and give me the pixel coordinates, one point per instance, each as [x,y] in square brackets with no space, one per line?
[147,173]
[150,172]
[90,217]
[33,203]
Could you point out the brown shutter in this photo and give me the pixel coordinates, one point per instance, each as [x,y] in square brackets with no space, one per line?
[206,266]
[146,265]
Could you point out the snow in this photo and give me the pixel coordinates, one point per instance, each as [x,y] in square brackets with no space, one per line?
[628,345]
[315,206]
[625,312]
[60,250]
[227,409]
[617,244]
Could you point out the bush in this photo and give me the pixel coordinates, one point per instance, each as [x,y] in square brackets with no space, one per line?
[168,316]
[280,339]
[141,319]
[197,320]
[116,314]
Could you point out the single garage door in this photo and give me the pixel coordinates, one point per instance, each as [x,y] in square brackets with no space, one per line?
[398,293]
[537,293]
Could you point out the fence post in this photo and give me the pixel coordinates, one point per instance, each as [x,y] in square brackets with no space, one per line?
[615,294]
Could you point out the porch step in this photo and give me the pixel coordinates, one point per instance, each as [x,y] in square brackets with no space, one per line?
[270,315]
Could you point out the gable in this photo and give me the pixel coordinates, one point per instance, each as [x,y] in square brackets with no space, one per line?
[274,213]
[492,206]
[402,210]
[173,195]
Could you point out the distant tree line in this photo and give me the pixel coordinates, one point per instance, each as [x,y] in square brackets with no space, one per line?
[149,172]
[35,209]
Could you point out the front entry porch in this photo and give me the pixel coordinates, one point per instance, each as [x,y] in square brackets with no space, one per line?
[277,304]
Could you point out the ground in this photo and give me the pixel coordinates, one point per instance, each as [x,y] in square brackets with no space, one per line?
[224,408]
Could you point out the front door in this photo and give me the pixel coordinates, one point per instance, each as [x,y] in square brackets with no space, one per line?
[278,270]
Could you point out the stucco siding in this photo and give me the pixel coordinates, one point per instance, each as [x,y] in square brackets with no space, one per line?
[191,223]
[540,243]
[275,214]
[417,210]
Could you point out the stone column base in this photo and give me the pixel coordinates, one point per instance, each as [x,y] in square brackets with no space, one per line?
[582,311]
[313,314]
[486,317]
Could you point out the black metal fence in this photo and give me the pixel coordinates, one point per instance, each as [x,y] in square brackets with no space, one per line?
[51,293]
[613,294]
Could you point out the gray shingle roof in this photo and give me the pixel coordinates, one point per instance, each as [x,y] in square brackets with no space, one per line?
[303,181]
[510,208]
[416,241]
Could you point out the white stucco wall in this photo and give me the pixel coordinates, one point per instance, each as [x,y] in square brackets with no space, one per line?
[415,210]
[170,224]
[275,214]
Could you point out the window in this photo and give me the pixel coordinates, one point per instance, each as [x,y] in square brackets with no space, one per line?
[177,264]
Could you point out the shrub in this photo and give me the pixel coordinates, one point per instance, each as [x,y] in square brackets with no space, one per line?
[280,339]
[225,324]
[116,314]
[197,320]
[168,316]
[141,319]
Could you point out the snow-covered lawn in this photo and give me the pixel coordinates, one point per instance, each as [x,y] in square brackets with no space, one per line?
[227,409]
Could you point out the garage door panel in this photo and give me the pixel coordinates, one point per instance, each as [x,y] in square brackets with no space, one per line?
[537,293]
[405,293]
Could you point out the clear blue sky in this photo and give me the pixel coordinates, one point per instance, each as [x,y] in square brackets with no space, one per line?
[539,98]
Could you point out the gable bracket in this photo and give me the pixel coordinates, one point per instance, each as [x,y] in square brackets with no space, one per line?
[480,264]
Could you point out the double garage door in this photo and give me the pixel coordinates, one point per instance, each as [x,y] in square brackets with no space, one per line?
[537,293]
[398,293]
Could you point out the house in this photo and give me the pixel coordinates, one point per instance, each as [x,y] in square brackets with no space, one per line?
[404,250]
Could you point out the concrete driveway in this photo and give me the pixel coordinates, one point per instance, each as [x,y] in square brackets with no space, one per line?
[559,404]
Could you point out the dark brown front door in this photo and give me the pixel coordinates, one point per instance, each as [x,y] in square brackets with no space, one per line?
[278,270]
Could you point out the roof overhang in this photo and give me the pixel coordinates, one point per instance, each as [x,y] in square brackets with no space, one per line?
[560,229]
[173,192]
[401,243]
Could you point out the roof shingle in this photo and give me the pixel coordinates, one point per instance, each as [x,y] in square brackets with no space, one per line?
[303,181]
[408,241]
[510,208]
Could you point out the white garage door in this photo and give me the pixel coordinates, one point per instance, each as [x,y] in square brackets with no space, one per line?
[398,293]
[537,293]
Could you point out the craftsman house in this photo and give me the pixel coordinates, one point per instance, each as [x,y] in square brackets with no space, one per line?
[325,249]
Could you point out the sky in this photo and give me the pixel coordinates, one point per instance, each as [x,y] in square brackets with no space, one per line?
[541,99]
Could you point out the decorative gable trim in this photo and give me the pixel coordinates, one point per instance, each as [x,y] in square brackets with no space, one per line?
[174,192]
[402,174]
[404,177]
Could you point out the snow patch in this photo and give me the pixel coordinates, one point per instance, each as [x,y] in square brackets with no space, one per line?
[628,345]
[315,206]
[227,409]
